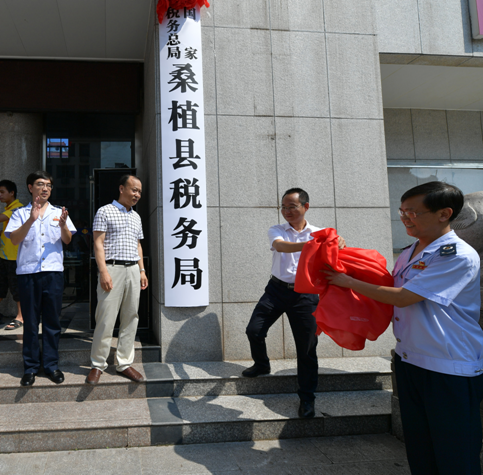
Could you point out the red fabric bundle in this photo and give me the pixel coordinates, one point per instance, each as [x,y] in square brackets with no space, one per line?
[347,317]
[163,5]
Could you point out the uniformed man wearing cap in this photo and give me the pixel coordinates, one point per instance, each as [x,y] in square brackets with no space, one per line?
[39,229]
[439,350]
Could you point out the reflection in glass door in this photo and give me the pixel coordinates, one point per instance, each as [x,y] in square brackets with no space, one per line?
[70,162]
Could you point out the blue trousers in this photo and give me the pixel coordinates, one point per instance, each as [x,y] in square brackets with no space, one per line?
[299,308]
[441,420]
[41,294]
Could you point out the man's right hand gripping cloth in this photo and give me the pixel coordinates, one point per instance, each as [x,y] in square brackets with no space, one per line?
[347,317]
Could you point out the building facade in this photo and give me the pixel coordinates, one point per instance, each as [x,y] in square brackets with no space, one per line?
[353,100]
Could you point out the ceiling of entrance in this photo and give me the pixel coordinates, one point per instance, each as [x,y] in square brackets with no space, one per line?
[432,87]
[74,29]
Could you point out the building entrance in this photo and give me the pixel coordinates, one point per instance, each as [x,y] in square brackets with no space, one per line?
[76,145]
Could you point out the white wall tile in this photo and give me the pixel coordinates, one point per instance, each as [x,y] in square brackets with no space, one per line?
[430,134]
[354,76]
[246,156]
[292,15]
[236,345]
[398,26]
[304,158]
[246,255]
[300,80]
[243,72]
[350,16]
[465,137]
[192,334]
[399,134]
[359,163]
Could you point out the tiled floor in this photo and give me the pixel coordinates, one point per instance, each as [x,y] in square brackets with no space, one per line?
[349,455]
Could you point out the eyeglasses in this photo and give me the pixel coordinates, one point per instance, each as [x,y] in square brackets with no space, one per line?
[41,184]
[289,208]
[410,214]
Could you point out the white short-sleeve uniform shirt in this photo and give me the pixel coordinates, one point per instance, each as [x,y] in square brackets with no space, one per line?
[41,250]
[441,333]
[284,264]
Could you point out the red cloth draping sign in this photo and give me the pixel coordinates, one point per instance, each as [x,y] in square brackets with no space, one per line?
[347,317]
[163,6]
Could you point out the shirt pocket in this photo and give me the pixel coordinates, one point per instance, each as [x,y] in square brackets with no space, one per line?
[54,232]
[411,273]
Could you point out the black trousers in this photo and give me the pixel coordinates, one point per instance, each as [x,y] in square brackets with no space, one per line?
[41,293]
[299,308]
[441,420]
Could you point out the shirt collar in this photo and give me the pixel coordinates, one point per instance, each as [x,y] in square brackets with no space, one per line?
[12,205]
[121,207]
[47,210]
[308,227]
[434,246]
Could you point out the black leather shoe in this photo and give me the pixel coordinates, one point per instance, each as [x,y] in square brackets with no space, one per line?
[57,376]
[28,379]
[255,370]
[306,409]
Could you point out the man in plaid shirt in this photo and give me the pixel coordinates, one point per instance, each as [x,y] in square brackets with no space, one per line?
[117,244]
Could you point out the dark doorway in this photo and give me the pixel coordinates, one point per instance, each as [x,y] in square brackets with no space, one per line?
[76,144]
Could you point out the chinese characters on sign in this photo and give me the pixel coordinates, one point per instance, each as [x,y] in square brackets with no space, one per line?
[183,160]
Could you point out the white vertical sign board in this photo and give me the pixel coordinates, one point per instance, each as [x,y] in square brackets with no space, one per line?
[183,160]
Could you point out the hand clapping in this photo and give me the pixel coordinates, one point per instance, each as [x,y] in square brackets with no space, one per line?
[36,207]
[63,217]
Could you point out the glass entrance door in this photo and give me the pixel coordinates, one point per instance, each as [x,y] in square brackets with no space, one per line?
[76,145]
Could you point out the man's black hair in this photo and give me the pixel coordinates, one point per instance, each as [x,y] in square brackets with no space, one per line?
[33,177]
[10,186]
[438,195]
[125,178]
[303,195]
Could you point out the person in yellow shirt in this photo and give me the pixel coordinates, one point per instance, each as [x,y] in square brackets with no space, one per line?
[8,252]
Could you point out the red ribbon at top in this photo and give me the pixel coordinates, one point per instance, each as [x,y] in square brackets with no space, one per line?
[163,6]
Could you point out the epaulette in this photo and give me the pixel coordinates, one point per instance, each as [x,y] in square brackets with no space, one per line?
[404,248]
[447,249]
[55,206]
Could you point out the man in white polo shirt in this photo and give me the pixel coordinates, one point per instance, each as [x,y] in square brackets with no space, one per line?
[119,256]
[286,242]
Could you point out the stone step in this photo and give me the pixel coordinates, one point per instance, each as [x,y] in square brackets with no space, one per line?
[195,379]
[187,420]
[75,350]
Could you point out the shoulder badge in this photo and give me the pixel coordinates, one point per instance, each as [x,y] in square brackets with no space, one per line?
[447,250]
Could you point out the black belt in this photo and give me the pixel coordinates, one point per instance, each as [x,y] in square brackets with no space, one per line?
[118,262]
[281,282]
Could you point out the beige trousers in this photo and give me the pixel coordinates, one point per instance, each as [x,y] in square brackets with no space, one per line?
[124,297]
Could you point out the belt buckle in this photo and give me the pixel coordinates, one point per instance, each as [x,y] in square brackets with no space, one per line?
[290,286]
[113,262]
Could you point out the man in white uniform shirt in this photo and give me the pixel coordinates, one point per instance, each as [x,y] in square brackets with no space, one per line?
[286,242]
[119,256]
[439,350]
[39,229]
